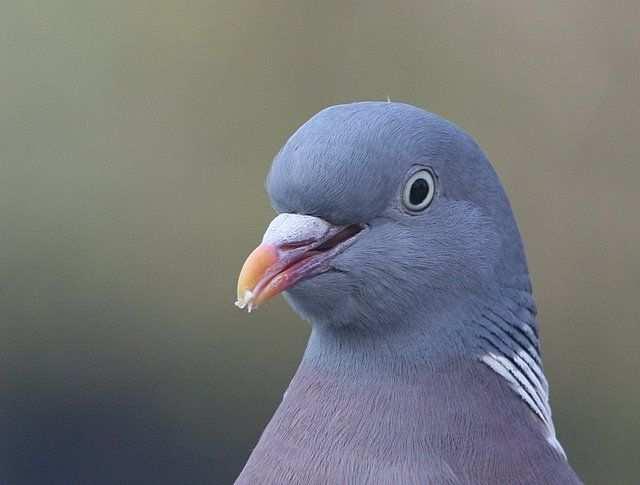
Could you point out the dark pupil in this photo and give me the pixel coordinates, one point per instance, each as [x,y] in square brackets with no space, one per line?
[419,191]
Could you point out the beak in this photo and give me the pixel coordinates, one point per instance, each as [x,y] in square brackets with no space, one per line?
[293,248]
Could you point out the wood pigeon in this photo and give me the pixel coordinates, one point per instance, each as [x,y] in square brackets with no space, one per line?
[396,241]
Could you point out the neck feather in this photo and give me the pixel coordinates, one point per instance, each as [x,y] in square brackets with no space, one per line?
[499,332]
[506,339]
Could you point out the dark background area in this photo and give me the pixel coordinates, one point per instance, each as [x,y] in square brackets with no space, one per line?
[134,140]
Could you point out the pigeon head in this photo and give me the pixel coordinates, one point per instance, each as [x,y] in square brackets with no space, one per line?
[384,210]
[395,239]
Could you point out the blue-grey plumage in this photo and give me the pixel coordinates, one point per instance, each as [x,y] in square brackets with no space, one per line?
[423,364]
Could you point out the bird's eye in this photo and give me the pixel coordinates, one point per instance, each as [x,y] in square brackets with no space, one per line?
[419,191]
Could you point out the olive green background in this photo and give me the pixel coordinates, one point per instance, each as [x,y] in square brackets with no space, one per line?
[134,140]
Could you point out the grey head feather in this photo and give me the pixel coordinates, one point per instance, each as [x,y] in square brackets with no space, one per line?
[418,292]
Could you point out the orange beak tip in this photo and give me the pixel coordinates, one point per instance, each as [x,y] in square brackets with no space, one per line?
[254,268]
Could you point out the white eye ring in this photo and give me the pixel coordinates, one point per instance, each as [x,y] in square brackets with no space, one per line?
[419,191]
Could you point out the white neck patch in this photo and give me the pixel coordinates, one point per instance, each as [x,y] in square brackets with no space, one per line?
[508,345]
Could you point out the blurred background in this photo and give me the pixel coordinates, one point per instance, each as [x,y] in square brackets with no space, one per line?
[134,140]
